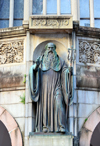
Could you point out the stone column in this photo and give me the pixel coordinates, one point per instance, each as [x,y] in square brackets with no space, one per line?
[27,9]
[28,102]
[92,13]
[75,9]
[73,107]
[44,7]
[11,13]
[58,7]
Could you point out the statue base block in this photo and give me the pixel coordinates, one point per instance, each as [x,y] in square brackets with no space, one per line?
[50,140]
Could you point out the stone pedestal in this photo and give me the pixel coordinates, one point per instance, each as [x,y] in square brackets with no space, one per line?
[50,140]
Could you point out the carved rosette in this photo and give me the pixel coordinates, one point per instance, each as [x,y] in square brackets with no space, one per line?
[11,52]
[89,52]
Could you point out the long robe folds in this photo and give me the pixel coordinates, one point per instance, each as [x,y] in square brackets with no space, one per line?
[49,89]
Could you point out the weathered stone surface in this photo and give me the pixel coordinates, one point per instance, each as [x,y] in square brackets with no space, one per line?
[73,110]
[98,110]
[89,51]
[30,125]
[51,140]
[11,97]
[16,138]
[89,127]
[71,121]
[84,110]
[80,123]
[50,22]
[30,110]
[87,76]
[85,137]
[89,97]
[11,51]
[92,121]
[12,31]
[8,121]
[1,110]
[12,127]
[86,31]
[12,76]
[16,110]
[21,123]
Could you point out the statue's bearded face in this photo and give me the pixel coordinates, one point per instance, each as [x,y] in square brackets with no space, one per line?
[51,48]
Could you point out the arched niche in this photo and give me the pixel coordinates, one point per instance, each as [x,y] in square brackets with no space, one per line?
[11,127]
[88,128]
[61,50]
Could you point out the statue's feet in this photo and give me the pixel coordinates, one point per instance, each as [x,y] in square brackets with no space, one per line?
[45,129]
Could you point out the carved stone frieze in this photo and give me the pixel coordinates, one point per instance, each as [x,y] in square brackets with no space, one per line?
[11,52]
[50,22]
[89,52]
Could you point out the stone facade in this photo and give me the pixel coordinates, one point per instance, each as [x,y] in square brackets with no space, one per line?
[20,46]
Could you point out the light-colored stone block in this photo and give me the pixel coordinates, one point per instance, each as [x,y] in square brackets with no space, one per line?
[84,110]
[21,123]
[75,96]
[71,122]
[29,125]
[29,112]
[18,69]
[27,93]
[73,110]
[26,141]
[71,114]
[11,97]
[50,22]
[16,110]
[90,97]
[80,123]
[51,140]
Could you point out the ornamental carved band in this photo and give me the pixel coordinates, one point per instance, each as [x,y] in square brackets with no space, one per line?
[11,52]
[50,22]
[89,52]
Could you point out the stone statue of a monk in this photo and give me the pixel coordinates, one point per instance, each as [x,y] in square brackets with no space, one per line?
[48,79]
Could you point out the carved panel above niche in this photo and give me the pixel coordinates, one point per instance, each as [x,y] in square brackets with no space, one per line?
[89,52]
[11,52]
[38,23]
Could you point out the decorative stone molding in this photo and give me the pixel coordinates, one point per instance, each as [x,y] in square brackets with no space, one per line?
[50,22]
[11,52]
[89,52]
[12,127]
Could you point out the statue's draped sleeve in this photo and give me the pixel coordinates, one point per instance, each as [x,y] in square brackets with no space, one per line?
[66,84]
[34,83]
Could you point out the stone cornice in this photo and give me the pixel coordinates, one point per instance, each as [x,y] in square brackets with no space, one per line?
[12,32]
[86,31]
